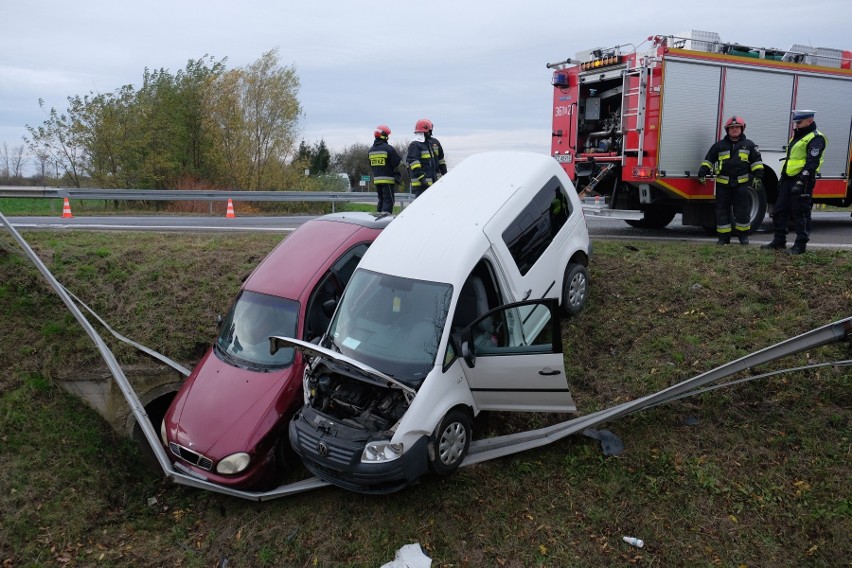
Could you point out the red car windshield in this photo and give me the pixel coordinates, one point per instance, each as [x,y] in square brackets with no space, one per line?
[244,338]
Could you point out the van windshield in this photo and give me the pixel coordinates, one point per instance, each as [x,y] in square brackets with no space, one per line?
[392,324]
[244,338]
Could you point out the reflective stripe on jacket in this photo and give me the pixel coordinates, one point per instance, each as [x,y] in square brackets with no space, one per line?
[384,160]
[737,161]
[422,164]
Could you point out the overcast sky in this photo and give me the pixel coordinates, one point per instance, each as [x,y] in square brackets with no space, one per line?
[475,68]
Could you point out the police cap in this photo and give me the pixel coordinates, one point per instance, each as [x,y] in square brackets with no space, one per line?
[802,115]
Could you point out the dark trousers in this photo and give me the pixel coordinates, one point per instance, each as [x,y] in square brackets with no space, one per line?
[795,209]
[737,196]
[385,193]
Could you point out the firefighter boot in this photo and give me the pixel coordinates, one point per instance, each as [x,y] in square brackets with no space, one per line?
[777,245]
[743,239]
[796,249]
[724,240]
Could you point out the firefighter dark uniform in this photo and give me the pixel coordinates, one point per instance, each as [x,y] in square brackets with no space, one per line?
[438,153]
[421,159]
[384,161]
[795,188]
[738,166]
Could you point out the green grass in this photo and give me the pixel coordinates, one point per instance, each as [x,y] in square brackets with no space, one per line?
[762,478]
[43,207]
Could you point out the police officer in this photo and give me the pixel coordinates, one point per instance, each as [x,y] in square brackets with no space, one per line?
[739,166]
[421,159]
[384,161]
[798,177]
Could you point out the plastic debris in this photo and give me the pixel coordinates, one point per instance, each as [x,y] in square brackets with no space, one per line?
[633,541]
[409,556]
[610,443]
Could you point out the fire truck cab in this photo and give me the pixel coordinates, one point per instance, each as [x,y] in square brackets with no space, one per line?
[632,126]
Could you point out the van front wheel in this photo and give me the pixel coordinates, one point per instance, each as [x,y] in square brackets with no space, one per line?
[450,442]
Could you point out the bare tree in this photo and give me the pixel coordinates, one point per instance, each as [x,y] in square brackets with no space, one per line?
[17,161]
[61,138]
[5,161]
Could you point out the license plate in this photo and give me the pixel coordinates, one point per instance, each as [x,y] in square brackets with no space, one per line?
[564,158]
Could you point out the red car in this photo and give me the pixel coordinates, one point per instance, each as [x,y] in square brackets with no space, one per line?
[228,422]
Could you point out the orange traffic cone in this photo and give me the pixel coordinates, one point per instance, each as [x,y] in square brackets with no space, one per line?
[66,209]
[230,212]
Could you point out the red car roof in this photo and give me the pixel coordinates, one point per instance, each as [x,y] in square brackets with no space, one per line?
[295,263]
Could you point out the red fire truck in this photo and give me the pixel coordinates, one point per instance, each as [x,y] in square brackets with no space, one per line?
[631,125]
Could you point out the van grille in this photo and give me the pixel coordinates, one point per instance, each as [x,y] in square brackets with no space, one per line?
[192,457]
[309,443]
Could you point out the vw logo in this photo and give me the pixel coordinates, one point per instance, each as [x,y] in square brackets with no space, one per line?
[322,449]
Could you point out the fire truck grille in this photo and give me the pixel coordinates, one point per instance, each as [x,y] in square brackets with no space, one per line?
[192,457]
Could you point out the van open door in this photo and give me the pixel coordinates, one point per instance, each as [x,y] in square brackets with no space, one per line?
[513,359]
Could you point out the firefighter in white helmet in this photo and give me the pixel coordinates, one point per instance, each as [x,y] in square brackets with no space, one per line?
[738,165]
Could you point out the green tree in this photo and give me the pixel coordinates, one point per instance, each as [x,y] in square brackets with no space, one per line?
[320,158]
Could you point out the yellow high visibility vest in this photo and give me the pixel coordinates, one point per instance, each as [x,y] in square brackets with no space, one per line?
[798,154]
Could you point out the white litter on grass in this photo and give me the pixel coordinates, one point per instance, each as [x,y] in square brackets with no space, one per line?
[409,556]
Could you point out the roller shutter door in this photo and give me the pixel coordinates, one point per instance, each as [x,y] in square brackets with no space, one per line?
[689,116]
[832,101]
[763,99]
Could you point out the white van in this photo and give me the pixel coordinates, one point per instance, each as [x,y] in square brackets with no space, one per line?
[453,310]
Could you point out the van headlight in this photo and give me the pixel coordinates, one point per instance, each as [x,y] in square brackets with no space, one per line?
[233,464]
[376,452]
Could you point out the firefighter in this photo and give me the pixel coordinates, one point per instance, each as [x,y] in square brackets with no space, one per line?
[738,166]
[798,177]
[421,159]
[384,161]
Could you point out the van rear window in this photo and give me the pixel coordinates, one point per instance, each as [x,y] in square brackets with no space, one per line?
[532,231]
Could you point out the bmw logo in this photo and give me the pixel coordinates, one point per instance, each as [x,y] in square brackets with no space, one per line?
[322,449]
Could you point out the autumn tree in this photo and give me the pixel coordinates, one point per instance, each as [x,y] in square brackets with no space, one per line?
[253,114]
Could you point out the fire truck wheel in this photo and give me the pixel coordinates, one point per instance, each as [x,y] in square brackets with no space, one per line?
[575,288]
[757,211]
[656,217]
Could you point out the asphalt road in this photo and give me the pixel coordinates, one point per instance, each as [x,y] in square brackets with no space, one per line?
[830,229]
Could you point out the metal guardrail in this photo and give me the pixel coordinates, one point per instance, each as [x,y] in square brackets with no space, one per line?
[193,195]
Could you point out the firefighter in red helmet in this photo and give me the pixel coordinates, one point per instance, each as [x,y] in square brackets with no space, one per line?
[421,159]
[738,167]
[384,161]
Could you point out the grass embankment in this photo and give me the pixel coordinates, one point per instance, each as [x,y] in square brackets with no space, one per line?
[762,478]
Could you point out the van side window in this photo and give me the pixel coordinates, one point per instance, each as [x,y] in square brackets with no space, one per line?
[534,228]
[318,316]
